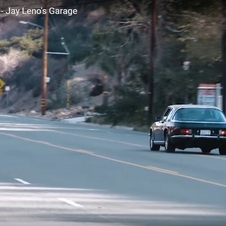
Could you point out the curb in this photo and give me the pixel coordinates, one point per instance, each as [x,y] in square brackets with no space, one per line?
[81,123]
[106,126]
[36,117]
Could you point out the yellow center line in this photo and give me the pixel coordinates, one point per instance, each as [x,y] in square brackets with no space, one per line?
[99,138]
[152,168]
[122,142]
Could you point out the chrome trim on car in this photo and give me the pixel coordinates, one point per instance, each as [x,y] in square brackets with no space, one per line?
[197,122]
[197,136]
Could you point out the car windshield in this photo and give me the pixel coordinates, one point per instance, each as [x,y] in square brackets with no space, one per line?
[200,114]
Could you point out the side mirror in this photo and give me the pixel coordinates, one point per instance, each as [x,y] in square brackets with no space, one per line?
[157,118]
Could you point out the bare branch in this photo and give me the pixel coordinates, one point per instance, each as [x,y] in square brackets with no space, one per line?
[173,30]
[168,27]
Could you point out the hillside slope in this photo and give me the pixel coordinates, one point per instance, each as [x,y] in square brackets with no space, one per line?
[21,62]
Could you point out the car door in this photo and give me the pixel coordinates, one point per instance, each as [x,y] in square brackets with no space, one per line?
[163,122]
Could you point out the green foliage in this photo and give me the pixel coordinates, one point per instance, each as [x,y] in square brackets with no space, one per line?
[62,93]
[30,82]
[128,108]
[29,43]
[119,44]
[185,32]
[79,50]
[102,109]
[77,39]
[197,6]
[199,24]
[37,90]
[119,50]
[4,47]
[23,75]
[172,56]
[180,86]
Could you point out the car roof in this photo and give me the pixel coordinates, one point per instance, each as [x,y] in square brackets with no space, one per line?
[177,106]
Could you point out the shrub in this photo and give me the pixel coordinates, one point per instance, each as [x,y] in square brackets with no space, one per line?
[37,91]
[128,108]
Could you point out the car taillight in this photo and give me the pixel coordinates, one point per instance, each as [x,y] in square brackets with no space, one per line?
[223,132]
[185,131]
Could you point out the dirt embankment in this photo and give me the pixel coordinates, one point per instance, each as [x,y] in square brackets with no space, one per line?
[82,82]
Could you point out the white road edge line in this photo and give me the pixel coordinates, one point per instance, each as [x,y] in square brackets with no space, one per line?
[163,170]
[21,181]
[70,202]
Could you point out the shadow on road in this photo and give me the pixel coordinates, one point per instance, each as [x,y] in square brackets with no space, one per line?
[178,151]
[191,152]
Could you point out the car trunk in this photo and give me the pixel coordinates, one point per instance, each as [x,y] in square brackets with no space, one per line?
[204,128]
[202,125]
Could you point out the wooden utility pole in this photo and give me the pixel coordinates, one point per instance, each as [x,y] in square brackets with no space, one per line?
[223,43]
[152,50]
[45,59]
[105,90]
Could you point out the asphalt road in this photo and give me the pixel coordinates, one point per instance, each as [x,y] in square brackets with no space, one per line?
[52,173]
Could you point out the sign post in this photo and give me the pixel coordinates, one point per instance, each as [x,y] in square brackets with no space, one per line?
[219,97]
[7,89]
[68,93]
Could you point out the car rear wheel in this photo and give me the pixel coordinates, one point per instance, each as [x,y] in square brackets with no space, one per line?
[222,150]
[169,147]
[153,147]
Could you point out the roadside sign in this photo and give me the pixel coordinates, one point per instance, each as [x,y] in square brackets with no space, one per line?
[47,79]
[1,91]
[207,94]
[7,88]
[2,83]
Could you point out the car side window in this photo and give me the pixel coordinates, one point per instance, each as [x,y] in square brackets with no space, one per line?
[171,113]
[166,114]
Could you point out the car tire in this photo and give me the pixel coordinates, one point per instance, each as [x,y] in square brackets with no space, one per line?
[222,150]
[206,150]
[169,147]
[153,147]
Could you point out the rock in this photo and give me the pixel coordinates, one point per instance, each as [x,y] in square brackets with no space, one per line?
[12,111]
[49,113]
[33,112]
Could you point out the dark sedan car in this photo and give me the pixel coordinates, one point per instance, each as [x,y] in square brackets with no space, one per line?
[189,126]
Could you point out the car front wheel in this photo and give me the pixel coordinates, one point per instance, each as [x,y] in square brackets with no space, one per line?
[153,147]
[169,147]
[222,150]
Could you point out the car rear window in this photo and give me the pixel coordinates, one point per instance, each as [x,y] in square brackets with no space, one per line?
[199,114]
